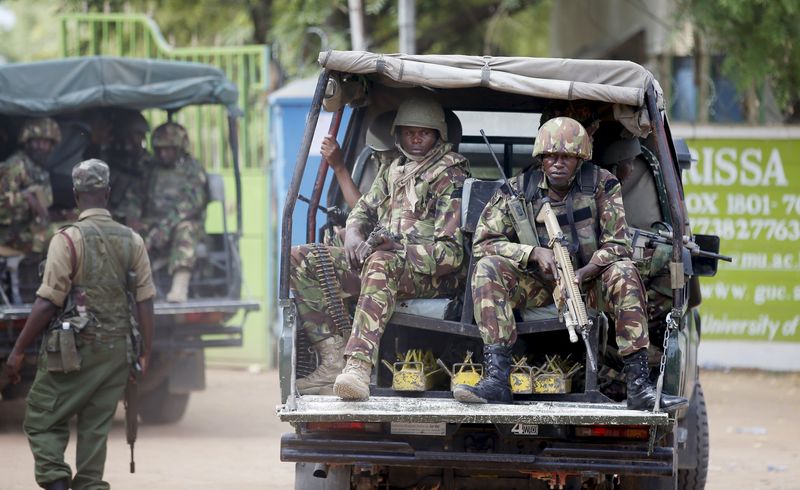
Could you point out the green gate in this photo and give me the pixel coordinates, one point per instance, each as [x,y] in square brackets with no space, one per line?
[136,35]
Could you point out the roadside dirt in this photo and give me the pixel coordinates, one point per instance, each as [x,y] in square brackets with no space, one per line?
[230,437]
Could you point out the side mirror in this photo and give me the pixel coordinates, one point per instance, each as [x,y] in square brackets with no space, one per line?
[683,154]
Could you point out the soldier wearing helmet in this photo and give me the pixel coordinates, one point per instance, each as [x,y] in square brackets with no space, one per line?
[380,141]
[129,159]
[174,206]
[416,201]
[509,274]
[25,191]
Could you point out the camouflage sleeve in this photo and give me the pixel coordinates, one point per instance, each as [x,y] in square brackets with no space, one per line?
[446,254]
[364,215]
[613,242]
[195,197]
[495,233]
[13,206]
[132,205]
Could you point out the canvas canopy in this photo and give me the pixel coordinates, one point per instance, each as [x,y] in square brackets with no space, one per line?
[51,87]
[621,83]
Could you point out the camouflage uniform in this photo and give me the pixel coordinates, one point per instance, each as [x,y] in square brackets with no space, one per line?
[174,206]
[596,233]
[130,165]
[20,226]
[424,206]
[503,279]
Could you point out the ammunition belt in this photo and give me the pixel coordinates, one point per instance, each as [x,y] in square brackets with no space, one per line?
[331,288]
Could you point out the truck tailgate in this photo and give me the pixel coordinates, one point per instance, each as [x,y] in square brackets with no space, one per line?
[313,408]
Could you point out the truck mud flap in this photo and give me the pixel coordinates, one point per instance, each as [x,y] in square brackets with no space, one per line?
[315,408]
[565,457]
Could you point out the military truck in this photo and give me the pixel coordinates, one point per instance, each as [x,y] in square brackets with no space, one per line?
[88,95]
[577,436]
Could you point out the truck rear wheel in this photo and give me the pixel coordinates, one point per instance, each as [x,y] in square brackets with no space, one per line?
[695,478]
[159,406]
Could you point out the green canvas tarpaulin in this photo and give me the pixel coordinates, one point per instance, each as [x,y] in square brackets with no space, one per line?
[53,87]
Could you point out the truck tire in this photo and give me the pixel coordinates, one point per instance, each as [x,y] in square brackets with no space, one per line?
[159,406]
[695,478]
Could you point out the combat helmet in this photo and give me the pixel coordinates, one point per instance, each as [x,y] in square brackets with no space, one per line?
[379,135]
[421,112]
[171,134]
[565,136]
[43,127]
[135,121]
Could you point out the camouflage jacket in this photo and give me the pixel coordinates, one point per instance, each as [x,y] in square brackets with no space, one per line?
[128,181]
[430,226]
[17,174]
[599,224]
[175,193]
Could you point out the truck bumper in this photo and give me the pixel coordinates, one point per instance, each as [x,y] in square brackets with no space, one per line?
[552,457]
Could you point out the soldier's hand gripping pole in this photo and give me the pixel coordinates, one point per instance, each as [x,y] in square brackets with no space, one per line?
[567,293]
[516,204]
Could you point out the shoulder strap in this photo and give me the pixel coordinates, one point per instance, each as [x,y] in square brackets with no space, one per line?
[73,256]
[588,178]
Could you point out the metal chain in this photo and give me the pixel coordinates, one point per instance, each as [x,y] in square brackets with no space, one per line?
[670,325]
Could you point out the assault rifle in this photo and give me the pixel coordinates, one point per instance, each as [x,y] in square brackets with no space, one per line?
[567,294]
[647,239]
[131,400]
[516,204]
[377,236]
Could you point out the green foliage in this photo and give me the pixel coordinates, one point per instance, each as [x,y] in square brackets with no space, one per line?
[299,29]
[761,41]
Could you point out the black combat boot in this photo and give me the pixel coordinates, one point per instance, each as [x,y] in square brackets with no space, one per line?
[62,484]
[494,387]
[641,391]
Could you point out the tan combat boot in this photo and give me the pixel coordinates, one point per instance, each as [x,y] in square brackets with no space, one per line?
[330,352]
[353,383]
[179,292]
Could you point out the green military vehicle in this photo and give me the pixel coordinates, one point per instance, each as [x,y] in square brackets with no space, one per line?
[83,95]
[568,431]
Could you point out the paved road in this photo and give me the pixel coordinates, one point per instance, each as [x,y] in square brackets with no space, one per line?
[230,438]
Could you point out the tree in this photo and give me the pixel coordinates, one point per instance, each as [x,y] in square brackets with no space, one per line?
[761,41]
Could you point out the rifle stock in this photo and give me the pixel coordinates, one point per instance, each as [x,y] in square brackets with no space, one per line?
[567,294]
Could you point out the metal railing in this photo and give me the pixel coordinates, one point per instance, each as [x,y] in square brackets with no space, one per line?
[138,36]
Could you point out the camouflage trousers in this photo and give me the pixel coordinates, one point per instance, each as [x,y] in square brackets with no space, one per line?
[383,279]
[499,286]
[178,245]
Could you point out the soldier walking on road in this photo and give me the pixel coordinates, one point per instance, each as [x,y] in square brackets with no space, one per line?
[95,270]
[25,191]
[174,208]
[510,274]
[416,202]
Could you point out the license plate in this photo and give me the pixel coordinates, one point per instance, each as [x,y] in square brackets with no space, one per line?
[525,429]
[419,428]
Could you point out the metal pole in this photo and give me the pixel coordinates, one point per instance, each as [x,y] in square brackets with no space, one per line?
[294,187]
[322,173]
[356,10]
[673,188]
[406,25]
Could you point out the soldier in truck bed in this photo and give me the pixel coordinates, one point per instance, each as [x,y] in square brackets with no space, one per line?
[25,191]
[129,159]
[508,274]
[417,196]
[173,207]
